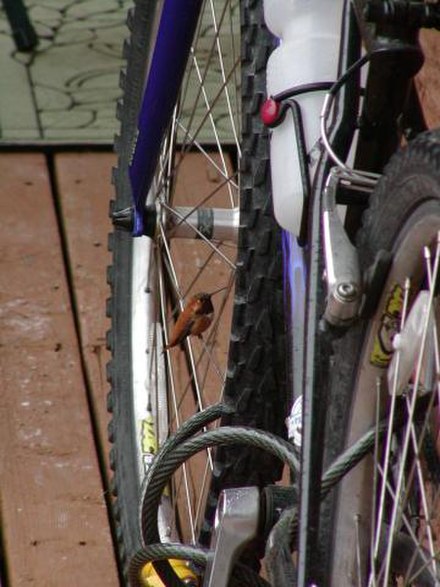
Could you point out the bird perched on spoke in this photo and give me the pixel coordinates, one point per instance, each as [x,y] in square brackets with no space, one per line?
[194,319]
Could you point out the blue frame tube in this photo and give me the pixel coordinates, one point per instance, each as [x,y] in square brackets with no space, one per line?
[177,26]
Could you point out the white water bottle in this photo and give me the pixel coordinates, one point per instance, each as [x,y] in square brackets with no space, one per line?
[309,33]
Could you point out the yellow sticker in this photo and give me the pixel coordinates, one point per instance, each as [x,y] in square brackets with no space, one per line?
[148,432]
[149,444]
[388,327]
[148,441]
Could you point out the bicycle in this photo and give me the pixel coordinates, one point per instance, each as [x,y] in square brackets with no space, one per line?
[359,372]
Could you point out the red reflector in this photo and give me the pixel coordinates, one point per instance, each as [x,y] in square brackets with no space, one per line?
[269,112]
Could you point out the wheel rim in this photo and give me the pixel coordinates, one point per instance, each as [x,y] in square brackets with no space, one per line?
[196,177]
[387,538]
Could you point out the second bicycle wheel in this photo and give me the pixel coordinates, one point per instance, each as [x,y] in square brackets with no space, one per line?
[213,234]
[386,519]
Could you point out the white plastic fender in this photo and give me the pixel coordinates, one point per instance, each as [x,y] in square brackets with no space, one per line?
[308,51]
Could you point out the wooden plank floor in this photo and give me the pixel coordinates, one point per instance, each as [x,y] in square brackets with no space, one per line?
[55,527]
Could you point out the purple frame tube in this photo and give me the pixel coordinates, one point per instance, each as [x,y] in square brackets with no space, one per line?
[177,26]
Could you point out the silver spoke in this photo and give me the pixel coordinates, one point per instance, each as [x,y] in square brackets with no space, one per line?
[372,579]
[190,65]
[212,335]
[200,234]
[209,115]
[410,475]
[211,339]
[222,66]
[427,563]
[188,343]
[173,394]
[406,523]
[202,77]
[389,436]
[416,449]
[406,441]
[200,148]
[166,161]
[210,104]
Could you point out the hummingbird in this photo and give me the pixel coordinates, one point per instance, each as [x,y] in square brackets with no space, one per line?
[194,319]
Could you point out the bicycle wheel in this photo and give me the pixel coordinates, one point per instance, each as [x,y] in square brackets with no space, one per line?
[214,163]
[384,526]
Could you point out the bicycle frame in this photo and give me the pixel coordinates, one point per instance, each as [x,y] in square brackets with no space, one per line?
[177,24]
[385,98]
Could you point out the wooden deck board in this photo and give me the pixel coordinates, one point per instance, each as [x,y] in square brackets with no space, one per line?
[83,181]
[54,519]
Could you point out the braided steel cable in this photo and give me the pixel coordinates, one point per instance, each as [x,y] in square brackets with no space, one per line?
[336,471]
[174,452]
[183,445]
[188,429]
[351,457]
[192,426]
[168,462]
[278,560]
